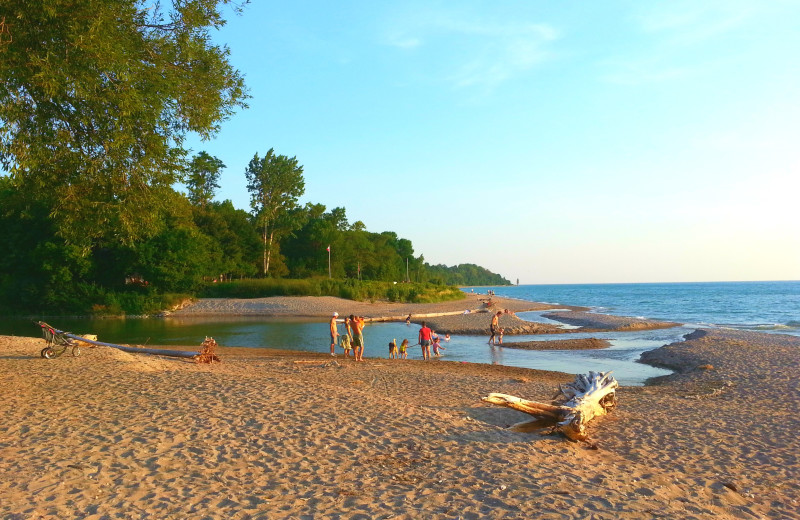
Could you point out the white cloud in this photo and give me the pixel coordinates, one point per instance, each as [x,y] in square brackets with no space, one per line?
[691,22]
[474,52]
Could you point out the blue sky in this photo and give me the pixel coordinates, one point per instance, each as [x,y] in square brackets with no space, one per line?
[554,142]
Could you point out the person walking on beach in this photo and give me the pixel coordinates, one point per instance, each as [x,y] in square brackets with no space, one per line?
[334,332]
[357,325]
[494,326]
[425,335]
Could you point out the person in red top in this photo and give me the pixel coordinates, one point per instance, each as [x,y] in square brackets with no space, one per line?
[425,335]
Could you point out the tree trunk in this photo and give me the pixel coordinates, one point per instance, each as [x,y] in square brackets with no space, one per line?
[587,397]
[264,236]
[269,251]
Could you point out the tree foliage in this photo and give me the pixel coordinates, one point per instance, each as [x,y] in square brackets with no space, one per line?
[202,178]
[95,102]
[275,182]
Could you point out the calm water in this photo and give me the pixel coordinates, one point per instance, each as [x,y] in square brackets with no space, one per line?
[760,306]
[766,306]
[312,336]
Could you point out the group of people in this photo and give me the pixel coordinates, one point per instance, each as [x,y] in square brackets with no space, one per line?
[428,340]
[496,331]
[353,339]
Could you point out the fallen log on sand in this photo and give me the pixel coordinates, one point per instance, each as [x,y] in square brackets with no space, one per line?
[586,398]
[418,317]
[207,355]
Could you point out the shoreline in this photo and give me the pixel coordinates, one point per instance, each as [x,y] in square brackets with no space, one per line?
[470,316]
[110,434]
[383,439]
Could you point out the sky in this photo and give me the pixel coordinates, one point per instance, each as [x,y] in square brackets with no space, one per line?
[550,142]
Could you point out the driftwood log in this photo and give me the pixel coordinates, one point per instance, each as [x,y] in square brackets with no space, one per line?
[207,355]
[587,397]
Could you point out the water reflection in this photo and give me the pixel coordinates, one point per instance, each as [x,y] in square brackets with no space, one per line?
[312,336]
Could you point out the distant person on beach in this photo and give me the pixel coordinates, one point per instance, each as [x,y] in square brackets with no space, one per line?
[425,335]
[494,326]
[408,320]
[334,332]
[357,325]
[403,349]
[393,349]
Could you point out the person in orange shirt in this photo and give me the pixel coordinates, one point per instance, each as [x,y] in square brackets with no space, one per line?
[357,325]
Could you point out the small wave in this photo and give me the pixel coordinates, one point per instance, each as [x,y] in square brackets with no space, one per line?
[773,326]
[761,327]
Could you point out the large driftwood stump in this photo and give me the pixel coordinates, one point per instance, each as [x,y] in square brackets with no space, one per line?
[587,397]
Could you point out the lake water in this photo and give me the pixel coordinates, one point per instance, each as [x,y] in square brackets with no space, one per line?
[772,307]
[763,306]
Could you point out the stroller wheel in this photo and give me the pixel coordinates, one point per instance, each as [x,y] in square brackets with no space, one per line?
[48,353]
[76,351]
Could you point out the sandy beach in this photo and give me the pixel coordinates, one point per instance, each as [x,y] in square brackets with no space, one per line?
[272,434]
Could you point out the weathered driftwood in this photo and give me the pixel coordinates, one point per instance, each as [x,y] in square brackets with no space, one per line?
[209,352]
[587,397]
[207,355]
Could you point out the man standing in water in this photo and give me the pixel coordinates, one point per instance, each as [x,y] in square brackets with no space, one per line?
[494,327]
[425,335]
[334,333]
[357,325]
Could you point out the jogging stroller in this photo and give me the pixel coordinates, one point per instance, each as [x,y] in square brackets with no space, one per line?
[57,342]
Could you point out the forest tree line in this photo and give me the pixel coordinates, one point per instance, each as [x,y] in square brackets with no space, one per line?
[198,242]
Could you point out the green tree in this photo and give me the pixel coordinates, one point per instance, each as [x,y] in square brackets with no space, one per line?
[96,100]
[275,182]
[202,179]
[233,234]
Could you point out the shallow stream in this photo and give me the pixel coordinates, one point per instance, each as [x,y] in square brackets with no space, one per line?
[312,336]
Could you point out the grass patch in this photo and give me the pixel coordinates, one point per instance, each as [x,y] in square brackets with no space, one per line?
[348,289]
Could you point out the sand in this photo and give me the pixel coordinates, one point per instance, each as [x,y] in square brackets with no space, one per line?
[270,434]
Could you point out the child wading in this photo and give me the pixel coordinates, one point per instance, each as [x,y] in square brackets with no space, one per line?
[437,347]
[393,349]
[403,348]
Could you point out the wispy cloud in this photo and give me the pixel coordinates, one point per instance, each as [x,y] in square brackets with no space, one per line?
[471,52]
[689,22]
[672,37]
